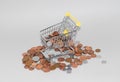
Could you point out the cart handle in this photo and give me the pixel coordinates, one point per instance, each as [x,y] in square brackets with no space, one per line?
[73,18]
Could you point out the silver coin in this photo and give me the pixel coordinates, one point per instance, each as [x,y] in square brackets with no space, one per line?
[49,44]
[103,61]
[35,58]
[85,61]
[69,70]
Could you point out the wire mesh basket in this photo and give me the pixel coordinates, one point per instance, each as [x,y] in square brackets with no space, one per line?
[66,29]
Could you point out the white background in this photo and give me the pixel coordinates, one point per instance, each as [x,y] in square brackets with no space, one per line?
[22,20]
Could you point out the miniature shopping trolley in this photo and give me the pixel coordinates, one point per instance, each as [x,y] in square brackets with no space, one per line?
[67,29]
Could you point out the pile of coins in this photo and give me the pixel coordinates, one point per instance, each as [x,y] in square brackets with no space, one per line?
[55,40]
[35,59]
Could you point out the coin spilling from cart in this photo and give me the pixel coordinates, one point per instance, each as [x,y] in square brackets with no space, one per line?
[59,49]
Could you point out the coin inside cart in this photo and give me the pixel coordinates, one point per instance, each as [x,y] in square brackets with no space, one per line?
[69,70]
[49,43]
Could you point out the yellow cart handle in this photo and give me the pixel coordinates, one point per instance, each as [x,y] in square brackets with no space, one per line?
[73,18]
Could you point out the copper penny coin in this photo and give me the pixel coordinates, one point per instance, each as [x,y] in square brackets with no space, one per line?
[98,50]
[31,69]
[57,65]
[33,65]
[76,49]
[77,54]
[93,55]
[46,69]
[55,33]
[41,56]
[88,48]
[62,66]
[42,61]
[76,59]
[85,51]
[24,54]
[28,63]
[53,67]
[79,62]
[39,47]
[68,60]
[36,49]
[57,49]
[61,59]
[31,51]
[90,52]
[39,66]
[88,57]
[70,43]
[74,65]
[82,58]
[26,67]
[79,45]
[26,58]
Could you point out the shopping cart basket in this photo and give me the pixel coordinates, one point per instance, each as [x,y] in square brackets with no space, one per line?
[67,29]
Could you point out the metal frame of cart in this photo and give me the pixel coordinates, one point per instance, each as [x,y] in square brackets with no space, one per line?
[67,29]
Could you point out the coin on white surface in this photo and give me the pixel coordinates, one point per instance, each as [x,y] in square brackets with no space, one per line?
[35,58]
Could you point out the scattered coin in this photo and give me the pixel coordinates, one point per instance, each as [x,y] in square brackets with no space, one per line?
[26,67]
[41,56]
[29,62]
[35,58]
[82,58]
[90,52]
[79,45]
[85,51]
[61,59]
[40,47]
[74,65]
[57,49]
[88,57]
[93,55]
[57,65]
[33,65]
[42,61]
[98,50]
[24,54]
[25,58]
[39,66]
[79,62]
[46,69]
[30,68]
[88,48]
[68,60]
[53,67]
[62,66]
